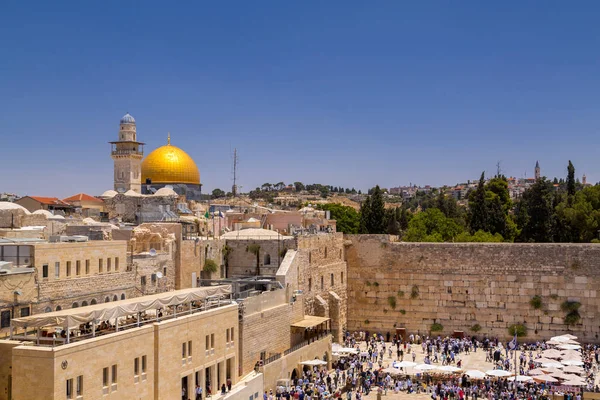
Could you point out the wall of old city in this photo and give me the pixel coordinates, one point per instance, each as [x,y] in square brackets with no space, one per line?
[321,270]
[194,254]
[461,285]
[265,327]
[242,262]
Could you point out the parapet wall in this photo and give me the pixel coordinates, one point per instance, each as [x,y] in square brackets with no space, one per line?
[461,285]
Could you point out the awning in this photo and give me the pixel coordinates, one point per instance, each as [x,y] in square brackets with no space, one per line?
[309,321]
[313,362]
[106,311]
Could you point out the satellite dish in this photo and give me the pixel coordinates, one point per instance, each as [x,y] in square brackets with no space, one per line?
[152,252]
[159,275]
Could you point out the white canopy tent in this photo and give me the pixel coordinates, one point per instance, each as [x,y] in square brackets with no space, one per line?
[74,317]
[313,362]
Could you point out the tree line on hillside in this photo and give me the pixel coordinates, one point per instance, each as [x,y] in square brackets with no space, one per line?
[548,211]
[268,191]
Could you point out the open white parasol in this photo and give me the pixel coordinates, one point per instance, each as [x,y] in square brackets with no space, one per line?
[498,373]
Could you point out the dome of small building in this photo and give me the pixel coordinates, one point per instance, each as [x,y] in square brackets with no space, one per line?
[7,205]
[132,193]
[46,213]
[127,119]
[168,165]
[166,192]
[109,194]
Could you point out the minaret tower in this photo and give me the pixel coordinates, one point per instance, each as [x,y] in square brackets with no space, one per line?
[127,154]
[538,173]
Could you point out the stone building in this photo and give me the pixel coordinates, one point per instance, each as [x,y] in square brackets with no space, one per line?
[127,154]
[156,357]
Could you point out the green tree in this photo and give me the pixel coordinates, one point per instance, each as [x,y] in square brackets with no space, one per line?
[365,215]
[535,212]
[478,210]
[217,193]
[299,186]
[570,179]
[376,223]
[347,218]
[432,226]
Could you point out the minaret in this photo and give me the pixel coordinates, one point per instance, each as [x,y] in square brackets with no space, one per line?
[538,174]
[127,154]
[584,180]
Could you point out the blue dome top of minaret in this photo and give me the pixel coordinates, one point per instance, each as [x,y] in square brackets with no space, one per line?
[127,119]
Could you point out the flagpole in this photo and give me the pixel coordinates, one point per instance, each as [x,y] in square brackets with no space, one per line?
[516,371]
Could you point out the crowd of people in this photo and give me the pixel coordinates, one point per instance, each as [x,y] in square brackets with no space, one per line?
[357,374]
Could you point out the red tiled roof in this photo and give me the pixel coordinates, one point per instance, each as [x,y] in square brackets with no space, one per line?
[82,197]
[51,201]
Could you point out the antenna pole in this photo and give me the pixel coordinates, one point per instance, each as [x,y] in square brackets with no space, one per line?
[235,160]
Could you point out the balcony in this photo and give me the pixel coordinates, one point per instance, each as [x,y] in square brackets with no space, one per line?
[127,152]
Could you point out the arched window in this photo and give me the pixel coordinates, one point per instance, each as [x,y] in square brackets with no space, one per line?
[84,303]
[122,296]
[93,302]
[267,259]
[107,299]
[75,305]
[115,298]
[58,308]
[48,309]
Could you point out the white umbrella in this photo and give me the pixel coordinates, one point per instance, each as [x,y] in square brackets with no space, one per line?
[313,362]
[552,365]
[544,378]
[574,383]
[550,370]
[569,336]
[543,360]
[448,368]
[569,346]
[551,353]
[498,373]
[390,370]
[572,362]
[425,367]
[536,371]
[403,364]
[574,369]
[473,373]
[521,378]
[554,342]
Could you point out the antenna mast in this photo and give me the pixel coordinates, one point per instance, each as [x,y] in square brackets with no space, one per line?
[235,161]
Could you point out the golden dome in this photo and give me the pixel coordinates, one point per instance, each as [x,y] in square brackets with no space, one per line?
[170,164]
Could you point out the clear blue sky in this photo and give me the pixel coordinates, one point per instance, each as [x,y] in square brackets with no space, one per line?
[346,93]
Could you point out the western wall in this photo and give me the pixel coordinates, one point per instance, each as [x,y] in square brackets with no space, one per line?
[466,286]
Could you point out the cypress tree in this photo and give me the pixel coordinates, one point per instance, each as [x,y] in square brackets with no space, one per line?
[478,210]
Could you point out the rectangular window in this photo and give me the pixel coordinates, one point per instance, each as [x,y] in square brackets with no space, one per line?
[153,279]
[212,340]
[57,269]
[105,377]
[69,388]
[331,279]
[5,319]
[77,267]
[25,312]
[227,335]
[87,267]
[207,339]
[322,283]
[68,268]
[100,265]
[309,284]
[79,387]
[342,278]
[232,334]
[190,348]
[45,271]
[143,281]
[114,374]
[143,364]
[136,366]
[116,263]
[183,347]
[108,264]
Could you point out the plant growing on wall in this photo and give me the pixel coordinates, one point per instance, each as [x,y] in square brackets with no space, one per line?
[376,284]
[536,302]
[367,322]
[554,296]
[414,292]
[402,311]
[476,328]
[517,329]
[400,293]
[392,302]
[210,266]
[368,283]
[436,327]
[255,249]
[572,309]
[227,250]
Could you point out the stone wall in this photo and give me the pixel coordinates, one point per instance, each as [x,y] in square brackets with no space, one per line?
[266,329]
[193,256]
[322,274]
[460,285]
[242,263]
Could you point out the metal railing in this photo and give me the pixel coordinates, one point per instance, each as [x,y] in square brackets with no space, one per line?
[313,339]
